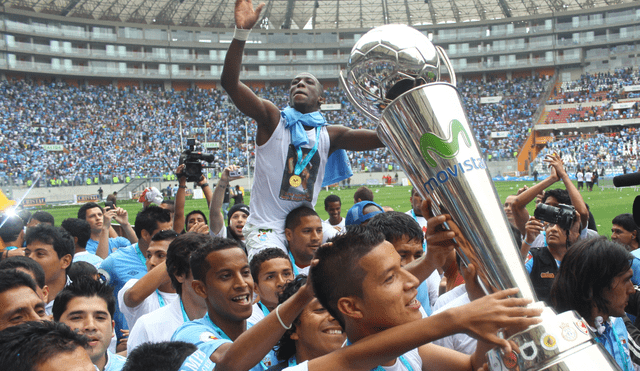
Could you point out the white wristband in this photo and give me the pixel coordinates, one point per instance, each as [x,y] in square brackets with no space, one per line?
[241,34]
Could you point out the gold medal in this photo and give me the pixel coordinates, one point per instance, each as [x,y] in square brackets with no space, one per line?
[295,180]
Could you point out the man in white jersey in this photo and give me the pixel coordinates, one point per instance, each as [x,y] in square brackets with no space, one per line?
[159,325]
[336,223]
[293,145]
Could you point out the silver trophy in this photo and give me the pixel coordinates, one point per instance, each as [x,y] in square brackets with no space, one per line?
[393,77]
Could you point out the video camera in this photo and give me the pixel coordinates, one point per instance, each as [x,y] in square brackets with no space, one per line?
[193,161]
[563,215]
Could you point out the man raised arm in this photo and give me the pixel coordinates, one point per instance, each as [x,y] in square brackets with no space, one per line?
[293,145]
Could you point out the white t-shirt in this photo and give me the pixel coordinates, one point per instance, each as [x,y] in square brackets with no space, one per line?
[449,296]
[580,176]
[257,315]
[588,176]
[330,231]
[460,342]
[157,326]
[412,357]
[271,209]
[148,305]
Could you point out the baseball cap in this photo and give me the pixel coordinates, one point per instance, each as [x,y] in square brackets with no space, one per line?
[355,214]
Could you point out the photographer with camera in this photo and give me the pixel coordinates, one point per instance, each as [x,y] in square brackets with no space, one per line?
[561,226]
[570,196]
[199,226]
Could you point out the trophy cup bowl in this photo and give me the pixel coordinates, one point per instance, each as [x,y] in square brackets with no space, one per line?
[422,122]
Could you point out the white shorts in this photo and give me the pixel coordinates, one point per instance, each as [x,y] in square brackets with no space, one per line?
[260,238]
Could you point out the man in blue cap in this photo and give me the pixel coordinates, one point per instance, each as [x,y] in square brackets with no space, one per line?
[360,213]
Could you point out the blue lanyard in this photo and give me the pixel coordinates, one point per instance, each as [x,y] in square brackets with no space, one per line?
[143,260]
[224,336]
[303,162]
[424,240]
[293,263]
[264,308]
[623,354]
[404,361]
[292,361]
[184,313]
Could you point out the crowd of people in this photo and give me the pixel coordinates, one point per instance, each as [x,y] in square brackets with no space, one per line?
[270,285]
[109,135]
[604,87]
[596,87]
[615,150]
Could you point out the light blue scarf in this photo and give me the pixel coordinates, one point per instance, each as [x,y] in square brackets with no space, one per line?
[338,167]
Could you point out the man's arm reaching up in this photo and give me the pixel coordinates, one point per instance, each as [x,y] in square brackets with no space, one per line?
[265,113]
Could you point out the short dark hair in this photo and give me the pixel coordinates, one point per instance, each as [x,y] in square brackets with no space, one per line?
[178,255]
[82,212]
[198,259]
[56,236]
[84,287]
[16,262]
[330,199]
[43,217]
[562,195]
[12,278]
[29,344]
[186,218]
[626,221]
[396,225]
[286,347]
[81,269]
[78,228]
[11,228]
[165,356]
[338,273]
[293,218]
[168,235]
[364,194]
[148,219]
[264,256]
[587,270]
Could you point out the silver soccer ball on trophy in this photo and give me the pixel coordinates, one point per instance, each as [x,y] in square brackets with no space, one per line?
[387,61]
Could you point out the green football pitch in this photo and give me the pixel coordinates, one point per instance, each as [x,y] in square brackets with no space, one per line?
[604,204]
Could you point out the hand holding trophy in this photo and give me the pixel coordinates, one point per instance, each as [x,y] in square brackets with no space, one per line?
[393,77]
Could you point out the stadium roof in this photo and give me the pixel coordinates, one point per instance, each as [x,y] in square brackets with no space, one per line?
[304,14]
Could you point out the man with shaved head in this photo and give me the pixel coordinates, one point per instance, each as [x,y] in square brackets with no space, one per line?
[294,146]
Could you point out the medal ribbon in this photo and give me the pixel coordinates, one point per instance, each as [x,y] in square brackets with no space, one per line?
[303,162]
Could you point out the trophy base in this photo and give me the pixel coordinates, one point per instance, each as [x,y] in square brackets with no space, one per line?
[562,342]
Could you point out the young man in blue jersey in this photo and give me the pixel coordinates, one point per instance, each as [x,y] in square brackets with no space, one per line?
[222,277]
[359,280]
[101,243]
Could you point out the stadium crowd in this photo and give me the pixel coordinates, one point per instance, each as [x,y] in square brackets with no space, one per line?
[113,135]
[609,149]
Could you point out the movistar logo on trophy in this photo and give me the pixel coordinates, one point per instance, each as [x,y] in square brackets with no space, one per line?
[448,148]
